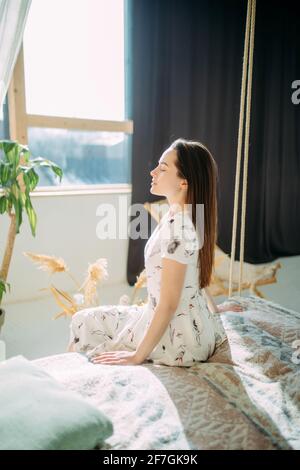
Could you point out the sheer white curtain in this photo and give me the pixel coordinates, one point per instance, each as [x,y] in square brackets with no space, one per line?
[13,15]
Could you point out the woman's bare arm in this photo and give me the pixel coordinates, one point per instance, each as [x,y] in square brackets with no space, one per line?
[224,307]
[172,280]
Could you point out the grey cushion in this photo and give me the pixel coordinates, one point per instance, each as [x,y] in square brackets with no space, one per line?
[36,412]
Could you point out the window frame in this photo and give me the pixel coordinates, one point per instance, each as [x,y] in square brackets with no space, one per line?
[20,120]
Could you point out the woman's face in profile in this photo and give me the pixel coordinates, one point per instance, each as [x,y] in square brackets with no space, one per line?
[165,181]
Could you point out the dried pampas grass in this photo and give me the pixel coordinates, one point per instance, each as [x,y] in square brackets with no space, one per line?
[97,272]
[63,299]
[141,282]
[48,263]
[51,264]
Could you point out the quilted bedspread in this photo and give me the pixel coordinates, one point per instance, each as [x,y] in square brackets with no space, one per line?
[247,396]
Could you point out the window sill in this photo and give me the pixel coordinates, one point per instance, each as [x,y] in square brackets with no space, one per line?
[82,190]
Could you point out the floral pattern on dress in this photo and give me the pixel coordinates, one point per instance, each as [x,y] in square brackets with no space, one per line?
[193,332]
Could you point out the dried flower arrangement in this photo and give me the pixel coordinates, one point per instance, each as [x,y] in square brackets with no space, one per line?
[86,295]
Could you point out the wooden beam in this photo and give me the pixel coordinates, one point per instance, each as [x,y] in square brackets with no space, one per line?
[34,120]
[17,103]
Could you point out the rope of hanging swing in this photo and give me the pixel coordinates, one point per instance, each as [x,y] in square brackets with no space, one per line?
[245,115]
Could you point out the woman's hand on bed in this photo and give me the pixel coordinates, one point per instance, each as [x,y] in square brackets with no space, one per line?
[121,358]
[229,307]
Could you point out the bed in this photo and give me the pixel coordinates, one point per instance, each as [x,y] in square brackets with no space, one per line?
[247,396]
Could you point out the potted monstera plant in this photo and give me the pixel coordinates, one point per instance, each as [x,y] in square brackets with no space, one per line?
[18,178]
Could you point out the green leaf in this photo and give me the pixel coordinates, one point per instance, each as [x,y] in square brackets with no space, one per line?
[27,183]
[11,151]
[3,204]
[7,145]
[3,285]
[5,173]
[33,179]
[17,204]
[9,202]
[25,152]
[58,171]
[23,197]
[31,216]
[39,161]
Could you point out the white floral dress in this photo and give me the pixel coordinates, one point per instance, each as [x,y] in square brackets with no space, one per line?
[193,332]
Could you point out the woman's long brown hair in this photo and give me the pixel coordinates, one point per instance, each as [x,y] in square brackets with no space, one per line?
[196,164]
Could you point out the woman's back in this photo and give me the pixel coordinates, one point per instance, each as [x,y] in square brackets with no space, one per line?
[193,331]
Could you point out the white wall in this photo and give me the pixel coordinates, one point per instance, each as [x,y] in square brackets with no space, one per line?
[66,228]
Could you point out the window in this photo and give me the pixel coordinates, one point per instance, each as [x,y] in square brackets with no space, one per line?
[70,79]
[86,157]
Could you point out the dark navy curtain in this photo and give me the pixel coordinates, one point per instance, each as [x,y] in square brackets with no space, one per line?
[186,79]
